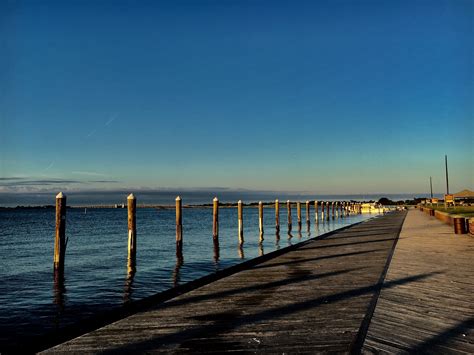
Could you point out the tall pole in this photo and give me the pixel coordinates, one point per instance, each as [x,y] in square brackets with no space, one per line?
[447,180]
[431,187]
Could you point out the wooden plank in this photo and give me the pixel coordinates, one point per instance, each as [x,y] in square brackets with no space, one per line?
[434,314]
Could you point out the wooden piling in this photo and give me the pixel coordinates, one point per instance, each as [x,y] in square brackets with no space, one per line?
[327,210]
[322,211]
[307,213]
[60,235]
[260,219]
[316,218]
[132,228]
[215,218]
[333,211]
[179,226]
[277,216]
[288,208]
[298,214]
[241,222]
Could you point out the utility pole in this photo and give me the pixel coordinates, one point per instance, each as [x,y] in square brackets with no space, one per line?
[431,187]
[447,179]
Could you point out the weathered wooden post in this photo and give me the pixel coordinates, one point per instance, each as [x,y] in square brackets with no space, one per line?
[322,211]
[241,222]
[316,219]
[260,219]
[327,210]
[60,235]
[332,209]
[277,217]
[215,218]
[288,208]
[132,229]
[179,227]
[298,214]
[307,214]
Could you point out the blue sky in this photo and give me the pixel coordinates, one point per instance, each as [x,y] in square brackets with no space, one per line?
[318,96]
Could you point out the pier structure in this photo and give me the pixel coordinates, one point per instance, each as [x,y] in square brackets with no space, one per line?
[396,283]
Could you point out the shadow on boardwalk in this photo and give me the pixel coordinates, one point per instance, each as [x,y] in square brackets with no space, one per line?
[316,297]
[223,322]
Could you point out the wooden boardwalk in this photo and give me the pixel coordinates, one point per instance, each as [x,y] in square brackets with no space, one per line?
[316,297]
[428,315]
[328,295]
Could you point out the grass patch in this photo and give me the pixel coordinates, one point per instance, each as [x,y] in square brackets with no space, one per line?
[466,211]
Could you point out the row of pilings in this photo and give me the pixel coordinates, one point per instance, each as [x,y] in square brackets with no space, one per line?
[328,210]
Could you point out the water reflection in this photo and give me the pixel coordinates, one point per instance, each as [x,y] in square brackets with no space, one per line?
[260,249]
[177,269]
[179,249]
[216,250]
[241,251]
[308,228]
[59,290]
[128,289]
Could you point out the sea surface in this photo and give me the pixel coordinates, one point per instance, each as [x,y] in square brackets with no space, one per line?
[96,275]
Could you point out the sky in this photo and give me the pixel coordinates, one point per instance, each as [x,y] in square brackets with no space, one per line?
[324,97]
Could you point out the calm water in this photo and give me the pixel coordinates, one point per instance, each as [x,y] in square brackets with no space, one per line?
[96,259]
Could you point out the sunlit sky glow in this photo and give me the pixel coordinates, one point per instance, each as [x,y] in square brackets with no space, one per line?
[319,96]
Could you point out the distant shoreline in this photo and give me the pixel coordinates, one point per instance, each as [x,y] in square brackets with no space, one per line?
[168,206]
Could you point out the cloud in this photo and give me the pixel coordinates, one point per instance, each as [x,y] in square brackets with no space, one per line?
[91,133]
[112,118]
[49,166]
[104,181]
[88,173]
[11,178]
[40,182]
[17,185]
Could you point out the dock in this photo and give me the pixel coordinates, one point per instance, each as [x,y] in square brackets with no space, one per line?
[361,289]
